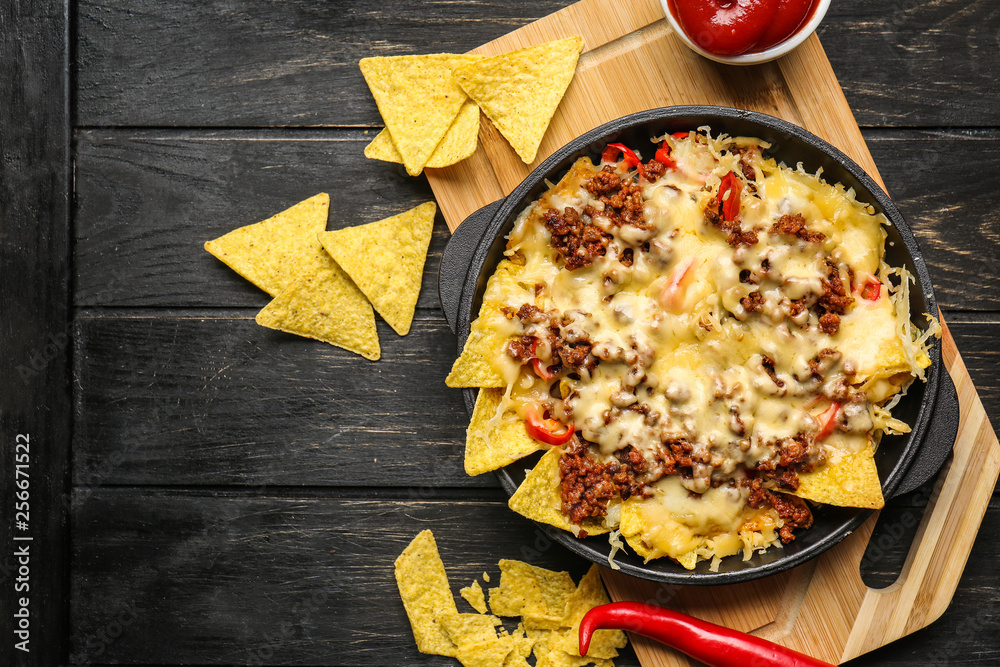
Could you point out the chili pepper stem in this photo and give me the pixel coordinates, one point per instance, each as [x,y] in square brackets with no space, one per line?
[712,644]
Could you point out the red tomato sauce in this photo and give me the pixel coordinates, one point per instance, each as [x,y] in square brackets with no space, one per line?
[735,27]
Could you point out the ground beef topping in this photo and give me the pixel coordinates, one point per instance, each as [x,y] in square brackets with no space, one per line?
[577,241]
[737,235]
[623,202]
[795,225]
[791,509]
[587,485]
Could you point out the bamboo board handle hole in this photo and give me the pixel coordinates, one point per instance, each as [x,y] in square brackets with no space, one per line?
[892,538]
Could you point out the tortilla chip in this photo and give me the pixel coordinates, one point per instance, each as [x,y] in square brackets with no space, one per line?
[423,585]
[418,99]
[633,527]
[466,628]
[473,368]
[589,593]
[538,595]
[271,253]
[487,653]
[473,594]
[386,260]
[459,142]
[848,481]
[484,348]
[324,304]
[539,497]
[519,91]
[506,442]
[522,648]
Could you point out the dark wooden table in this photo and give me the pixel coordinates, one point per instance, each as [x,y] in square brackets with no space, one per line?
[206,491]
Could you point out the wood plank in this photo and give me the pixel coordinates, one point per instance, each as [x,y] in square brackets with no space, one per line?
[34,298]
[294,63]
[179,562]
[147,201]
[888,58]
[322,593]
[160,66]
[934,188]
[209,397]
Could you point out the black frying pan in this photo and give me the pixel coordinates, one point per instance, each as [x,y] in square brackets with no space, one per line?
[904,461]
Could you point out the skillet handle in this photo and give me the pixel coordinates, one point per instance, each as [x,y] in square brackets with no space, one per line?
[457,258]
[939,440]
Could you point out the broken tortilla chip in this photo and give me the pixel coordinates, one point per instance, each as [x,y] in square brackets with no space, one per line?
[418,99]
[271,253]
[325,305]
[538,595]
[492,444]
[589,593]
[539,497]
[519,91]
[848,481]
[385,259]
[423,585]
[473,594]
[459,142]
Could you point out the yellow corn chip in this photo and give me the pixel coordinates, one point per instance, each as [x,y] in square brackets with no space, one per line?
[539,497]
[484,348]
[386,260]
[473,368]
[418,99]
[633,527]
[271,253]
[458,144]
[487,653]
[467,628]
[423,585]
[519,91]
[324,304]
[504,443]
[848,481]
[522,648]
[589,593]
[473,594]
[538,595]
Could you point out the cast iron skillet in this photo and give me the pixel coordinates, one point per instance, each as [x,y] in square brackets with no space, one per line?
[931,408]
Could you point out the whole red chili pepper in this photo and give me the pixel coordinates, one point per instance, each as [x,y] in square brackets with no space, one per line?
[712,644]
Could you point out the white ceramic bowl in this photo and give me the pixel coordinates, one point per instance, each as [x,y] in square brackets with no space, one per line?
[775,51]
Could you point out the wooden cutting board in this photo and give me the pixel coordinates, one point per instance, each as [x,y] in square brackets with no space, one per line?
[632,61]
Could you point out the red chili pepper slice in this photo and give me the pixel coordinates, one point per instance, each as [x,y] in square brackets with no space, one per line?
[731,204]
[548,431]
[872,289]
[828,421]
[663,156]
[680,135]
[714,645]
[541,368]
[610,154]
